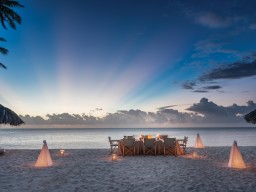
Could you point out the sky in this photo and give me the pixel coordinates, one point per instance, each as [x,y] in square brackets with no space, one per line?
[94,63]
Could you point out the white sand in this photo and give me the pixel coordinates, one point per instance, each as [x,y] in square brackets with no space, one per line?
[93,170]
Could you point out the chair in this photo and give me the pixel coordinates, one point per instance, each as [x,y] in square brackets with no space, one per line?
[183,144]
[149,146]
[129,137]
[128,146]
[2,151]
[163,136]
[113,145]
[143,136]
[170,146]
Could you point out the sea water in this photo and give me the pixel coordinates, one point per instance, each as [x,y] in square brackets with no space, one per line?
[92,138]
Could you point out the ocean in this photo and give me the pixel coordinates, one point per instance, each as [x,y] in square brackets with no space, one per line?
[74,138]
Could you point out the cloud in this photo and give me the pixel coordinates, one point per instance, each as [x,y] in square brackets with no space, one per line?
[64,118]
[213,20]
[189,85]
[126,117]
[212,87]
[245,67]
[205,48]
[192,86]
[213,113]
[252,27]
[207,108]
[200,91]
[95,110]
[166,107]
[203,112]
[30,120]
[60,119]
[235,70]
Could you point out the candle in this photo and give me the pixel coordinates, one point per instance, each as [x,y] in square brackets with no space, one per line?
[114,157]
[62,152]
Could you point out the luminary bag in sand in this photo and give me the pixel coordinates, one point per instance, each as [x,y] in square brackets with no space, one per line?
[44,159]
[199,143]
[235,158]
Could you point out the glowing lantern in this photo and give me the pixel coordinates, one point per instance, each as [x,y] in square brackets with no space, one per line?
[235,158]
[62,152]
[114,157]
[199,143]
[44,159]
[149,136]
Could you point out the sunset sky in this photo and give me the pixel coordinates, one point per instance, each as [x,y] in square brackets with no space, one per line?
[122,59]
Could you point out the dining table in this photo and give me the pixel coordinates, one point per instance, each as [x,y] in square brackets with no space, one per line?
[138,144]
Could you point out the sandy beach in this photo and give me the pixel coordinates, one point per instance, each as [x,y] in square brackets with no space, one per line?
[93,170]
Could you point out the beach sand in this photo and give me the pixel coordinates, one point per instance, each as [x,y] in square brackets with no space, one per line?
[93,170]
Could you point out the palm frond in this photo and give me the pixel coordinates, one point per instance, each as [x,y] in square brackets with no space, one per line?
[251,117]
[4,51]
[3,66]
[12,14]
[7,14]
[2,39]
[10,22]
[2,20]
[11,3]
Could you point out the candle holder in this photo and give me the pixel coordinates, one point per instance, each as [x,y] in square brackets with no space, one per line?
[114,157]
[62,152]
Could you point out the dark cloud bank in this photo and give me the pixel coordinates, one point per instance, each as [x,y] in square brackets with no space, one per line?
[204,113]
[246,67]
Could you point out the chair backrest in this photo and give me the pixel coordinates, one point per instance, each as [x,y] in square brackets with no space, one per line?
[185,140]
[129,137]
[129,142]
[149,142]
[109,139]
[163,136]
[170,142]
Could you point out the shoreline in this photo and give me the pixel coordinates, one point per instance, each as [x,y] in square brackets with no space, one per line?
[248,126]
[93,170]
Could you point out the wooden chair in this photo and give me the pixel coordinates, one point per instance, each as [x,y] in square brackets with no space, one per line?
[113,145]
[2,151]
[183,143]
[128,147]
[163,136]
[129,137]
[149,146]
[170,146]
[143,137]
